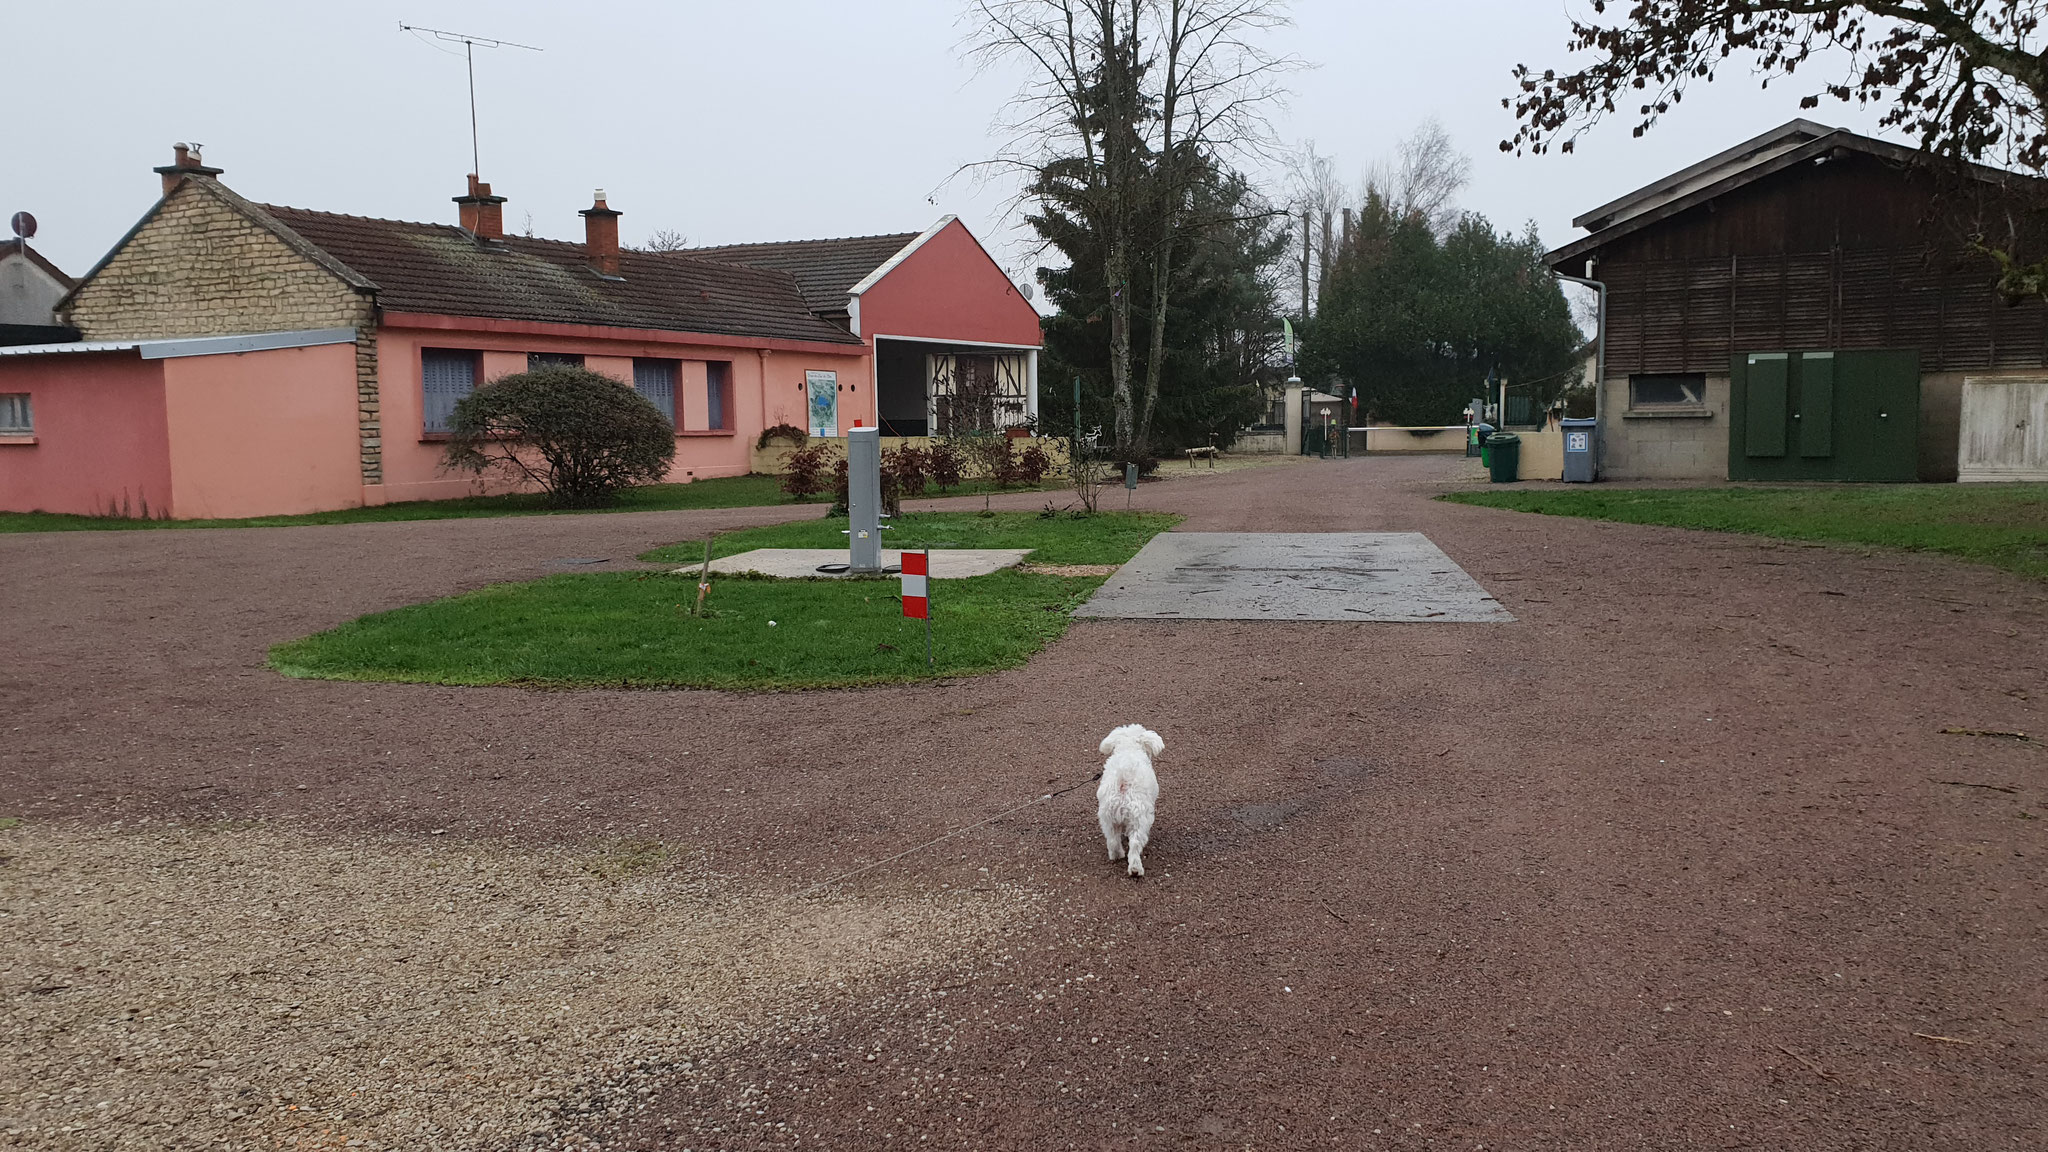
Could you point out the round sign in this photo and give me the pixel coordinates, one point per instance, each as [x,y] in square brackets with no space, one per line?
[24,225]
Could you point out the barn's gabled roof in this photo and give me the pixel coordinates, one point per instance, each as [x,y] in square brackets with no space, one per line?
[1785,146]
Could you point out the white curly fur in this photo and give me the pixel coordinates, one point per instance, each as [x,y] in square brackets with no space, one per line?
[1129,793]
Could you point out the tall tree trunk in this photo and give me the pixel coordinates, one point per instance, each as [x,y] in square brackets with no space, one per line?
[1171,197]
[1116,268]
[1120,159]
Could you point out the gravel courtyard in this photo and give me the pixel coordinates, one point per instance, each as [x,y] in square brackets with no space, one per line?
[1681,858]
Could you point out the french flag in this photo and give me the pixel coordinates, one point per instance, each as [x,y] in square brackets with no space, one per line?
[916,569]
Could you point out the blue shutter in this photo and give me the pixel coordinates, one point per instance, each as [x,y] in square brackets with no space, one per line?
[656,380]
[445,377]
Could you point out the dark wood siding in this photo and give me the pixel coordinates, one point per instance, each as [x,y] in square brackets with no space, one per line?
[1857,253]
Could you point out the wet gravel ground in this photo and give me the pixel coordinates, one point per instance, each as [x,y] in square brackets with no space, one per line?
[1680,859]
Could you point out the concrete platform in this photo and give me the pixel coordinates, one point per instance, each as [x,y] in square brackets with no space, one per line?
[798,563]
[1379,576]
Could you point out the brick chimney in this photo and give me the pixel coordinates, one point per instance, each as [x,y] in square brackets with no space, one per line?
[601,236]
[483,215]
[186,163]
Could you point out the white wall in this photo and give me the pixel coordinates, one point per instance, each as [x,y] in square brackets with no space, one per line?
[27,293]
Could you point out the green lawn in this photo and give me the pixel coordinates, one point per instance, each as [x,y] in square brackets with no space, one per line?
[2003,525]
[634,629]
[722,492]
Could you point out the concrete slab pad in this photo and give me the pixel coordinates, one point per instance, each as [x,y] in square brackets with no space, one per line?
[798,563]
[1379,576]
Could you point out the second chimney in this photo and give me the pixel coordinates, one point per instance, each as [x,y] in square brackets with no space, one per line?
[483,214]
[186,163]
[601,236]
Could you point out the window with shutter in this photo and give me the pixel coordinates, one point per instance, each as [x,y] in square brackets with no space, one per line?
[446,376]
[656,380]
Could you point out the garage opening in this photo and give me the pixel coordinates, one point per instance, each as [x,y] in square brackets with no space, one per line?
[924,389]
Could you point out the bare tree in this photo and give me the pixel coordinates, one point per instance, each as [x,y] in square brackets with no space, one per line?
[1127,105]
[1969,77]
[1429,177]
[1315,194]
[665,240]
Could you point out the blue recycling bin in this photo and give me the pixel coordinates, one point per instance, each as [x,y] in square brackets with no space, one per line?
[1581,442]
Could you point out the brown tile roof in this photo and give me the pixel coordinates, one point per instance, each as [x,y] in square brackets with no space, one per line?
[439,268]
[827,270]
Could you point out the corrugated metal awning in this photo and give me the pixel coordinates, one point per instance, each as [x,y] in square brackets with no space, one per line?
[193,345]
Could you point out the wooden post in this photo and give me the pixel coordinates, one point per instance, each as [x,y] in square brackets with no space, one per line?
[704,576]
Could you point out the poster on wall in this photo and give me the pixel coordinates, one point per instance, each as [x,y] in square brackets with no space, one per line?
[824,402]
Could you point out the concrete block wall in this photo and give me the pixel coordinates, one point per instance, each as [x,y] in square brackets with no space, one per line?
[1651,446]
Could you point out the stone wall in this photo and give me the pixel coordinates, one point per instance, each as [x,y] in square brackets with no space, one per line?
[198,267]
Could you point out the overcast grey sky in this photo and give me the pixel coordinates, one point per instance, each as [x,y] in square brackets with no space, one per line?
[770,120]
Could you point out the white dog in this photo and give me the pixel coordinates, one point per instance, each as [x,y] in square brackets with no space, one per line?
[1129,792]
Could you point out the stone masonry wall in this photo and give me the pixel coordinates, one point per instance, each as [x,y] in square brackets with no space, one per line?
[200,268]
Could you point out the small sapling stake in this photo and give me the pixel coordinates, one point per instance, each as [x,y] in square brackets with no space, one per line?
[704,576]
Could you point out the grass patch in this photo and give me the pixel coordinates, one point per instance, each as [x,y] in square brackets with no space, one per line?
[1105,538]
[634,630]
[2003,525]
[719,492]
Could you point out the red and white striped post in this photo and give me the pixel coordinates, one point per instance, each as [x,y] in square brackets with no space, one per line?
[917,603]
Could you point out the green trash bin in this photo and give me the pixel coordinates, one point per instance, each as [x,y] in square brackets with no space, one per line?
[1504,456]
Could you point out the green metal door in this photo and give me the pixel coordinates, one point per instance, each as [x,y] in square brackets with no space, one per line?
[1824,416]
[1879,424]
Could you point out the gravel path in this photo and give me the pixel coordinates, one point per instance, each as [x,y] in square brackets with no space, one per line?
[1681,859]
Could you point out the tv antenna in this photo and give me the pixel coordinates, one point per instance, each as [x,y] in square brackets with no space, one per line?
[469,45]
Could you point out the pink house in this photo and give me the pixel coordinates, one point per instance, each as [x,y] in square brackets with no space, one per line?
[244,359]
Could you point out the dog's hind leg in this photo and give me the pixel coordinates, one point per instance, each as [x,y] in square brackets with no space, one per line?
[1139,836]
[1113,836]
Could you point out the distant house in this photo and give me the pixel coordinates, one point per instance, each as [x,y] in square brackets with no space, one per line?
[1803,306]
[30,287]
[725,342]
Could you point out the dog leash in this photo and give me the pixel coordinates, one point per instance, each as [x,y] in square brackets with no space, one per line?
[840,879]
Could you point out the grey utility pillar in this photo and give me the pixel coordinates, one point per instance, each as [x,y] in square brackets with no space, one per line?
[864,499]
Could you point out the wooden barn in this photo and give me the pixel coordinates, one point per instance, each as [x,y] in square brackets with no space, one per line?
[1808,306]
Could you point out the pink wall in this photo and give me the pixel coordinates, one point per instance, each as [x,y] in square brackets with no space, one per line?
[100,441]
[763,380]
[949,289]
[263,433]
